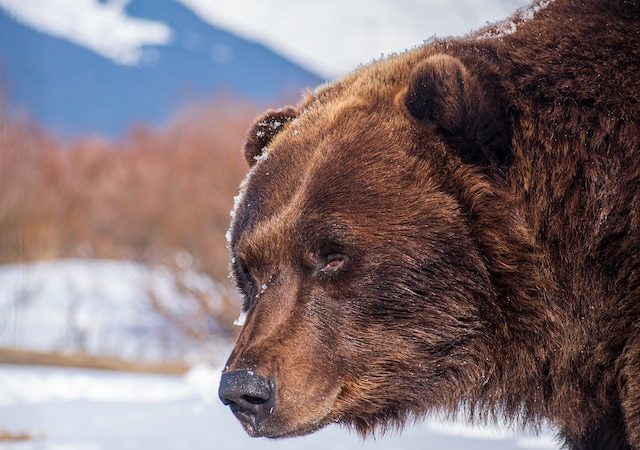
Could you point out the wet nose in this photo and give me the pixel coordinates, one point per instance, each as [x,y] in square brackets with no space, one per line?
[250,396]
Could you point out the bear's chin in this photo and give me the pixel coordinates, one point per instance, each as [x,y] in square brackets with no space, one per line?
[274,430]
[301,431]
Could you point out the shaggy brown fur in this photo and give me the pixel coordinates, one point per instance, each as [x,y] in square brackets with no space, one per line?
[456,226]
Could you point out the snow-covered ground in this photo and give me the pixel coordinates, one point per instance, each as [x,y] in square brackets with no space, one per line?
[80,409]
[110,308]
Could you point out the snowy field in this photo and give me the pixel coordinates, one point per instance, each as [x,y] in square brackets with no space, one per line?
[108,308]
[79,409]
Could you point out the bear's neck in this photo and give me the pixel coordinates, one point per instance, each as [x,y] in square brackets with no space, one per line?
[539,351]
[528,337]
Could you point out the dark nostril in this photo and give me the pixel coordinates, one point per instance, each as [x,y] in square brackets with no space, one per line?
[247,393]
[253,400]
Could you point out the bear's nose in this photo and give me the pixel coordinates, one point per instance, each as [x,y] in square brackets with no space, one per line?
[251,397]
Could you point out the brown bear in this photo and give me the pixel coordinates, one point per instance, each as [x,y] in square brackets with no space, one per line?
[455,228]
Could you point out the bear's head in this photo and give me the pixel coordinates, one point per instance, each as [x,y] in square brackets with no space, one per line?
[372,245]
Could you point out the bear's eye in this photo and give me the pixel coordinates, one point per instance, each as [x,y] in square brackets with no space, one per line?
[332,263]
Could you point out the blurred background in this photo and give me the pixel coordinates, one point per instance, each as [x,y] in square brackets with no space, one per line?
[121,124]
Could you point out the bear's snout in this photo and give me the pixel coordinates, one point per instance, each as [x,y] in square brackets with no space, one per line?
[250,396]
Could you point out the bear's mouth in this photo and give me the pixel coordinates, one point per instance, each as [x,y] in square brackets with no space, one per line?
[301,430]
[248,421]
[279,425]
[273,431]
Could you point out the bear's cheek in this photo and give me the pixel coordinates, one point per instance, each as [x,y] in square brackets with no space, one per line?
[306,397]
[305,385]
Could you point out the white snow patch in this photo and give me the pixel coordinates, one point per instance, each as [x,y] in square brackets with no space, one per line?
[29,384]
[23,384]
[263,155]
[333,36]
[241,320]
[103,307]
[530,12]
[242,190]
[545,441]
[203,380]
[523,14]
[103,27]
[75,446]
[458,426]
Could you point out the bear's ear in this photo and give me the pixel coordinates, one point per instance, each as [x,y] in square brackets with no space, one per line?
[263,130]
[443,92]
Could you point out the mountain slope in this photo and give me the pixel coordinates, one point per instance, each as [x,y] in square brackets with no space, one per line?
[75,91]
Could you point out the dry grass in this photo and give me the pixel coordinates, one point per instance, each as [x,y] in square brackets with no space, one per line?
[29,357]
[160,197]
[6,436]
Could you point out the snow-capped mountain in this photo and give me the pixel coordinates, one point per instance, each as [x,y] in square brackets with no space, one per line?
[82,66]
[115,71]
[331,37]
